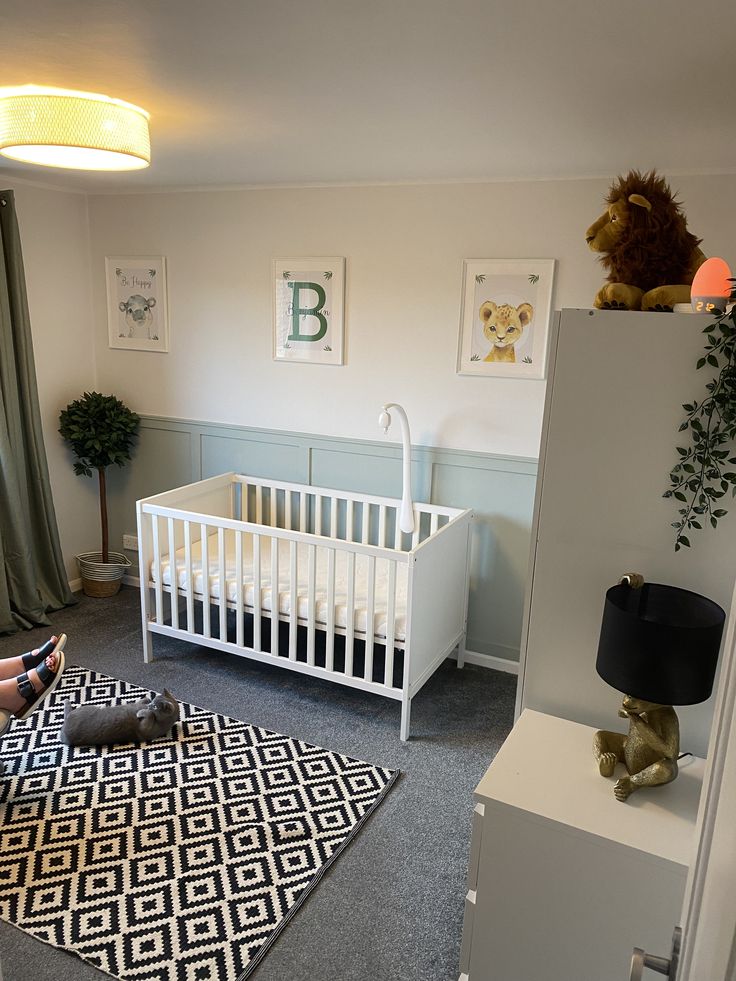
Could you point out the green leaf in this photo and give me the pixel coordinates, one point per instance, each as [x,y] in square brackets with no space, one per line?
[684,541]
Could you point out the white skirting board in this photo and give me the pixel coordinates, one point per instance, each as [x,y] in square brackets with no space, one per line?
[490,661]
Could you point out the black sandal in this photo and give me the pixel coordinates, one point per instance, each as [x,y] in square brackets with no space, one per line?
[32,660]
[48,678]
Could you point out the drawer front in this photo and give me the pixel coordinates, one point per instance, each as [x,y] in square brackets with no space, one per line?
[468,923]
[476,839]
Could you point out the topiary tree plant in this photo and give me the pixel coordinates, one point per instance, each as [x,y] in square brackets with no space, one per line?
[100,430]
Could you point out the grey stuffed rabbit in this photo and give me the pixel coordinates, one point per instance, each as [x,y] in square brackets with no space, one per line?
[101,725]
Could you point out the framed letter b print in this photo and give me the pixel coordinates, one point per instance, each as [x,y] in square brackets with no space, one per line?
[308,304]
[505,317]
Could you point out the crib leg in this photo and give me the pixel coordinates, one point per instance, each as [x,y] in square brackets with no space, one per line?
[145,613]
[405,717]
[461,652]
[147,646]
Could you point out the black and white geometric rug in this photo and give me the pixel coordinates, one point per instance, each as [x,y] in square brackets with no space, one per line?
[177,860]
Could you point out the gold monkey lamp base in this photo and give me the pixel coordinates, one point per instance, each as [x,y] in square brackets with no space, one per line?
[649,751]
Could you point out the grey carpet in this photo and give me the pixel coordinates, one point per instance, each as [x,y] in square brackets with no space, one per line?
[392,906]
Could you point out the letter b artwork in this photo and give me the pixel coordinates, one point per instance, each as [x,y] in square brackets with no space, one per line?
[303,313]
[309,310]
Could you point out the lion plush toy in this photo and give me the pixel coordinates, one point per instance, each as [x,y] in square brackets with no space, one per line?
[644,244]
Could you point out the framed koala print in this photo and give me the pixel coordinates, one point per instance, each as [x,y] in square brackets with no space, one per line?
[137,312]
[504,323]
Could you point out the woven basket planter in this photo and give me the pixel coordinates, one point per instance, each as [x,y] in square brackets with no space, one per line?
[100,579]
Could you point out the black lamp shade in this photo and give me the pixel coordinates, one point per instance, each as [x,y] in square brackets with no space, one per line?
[660,643]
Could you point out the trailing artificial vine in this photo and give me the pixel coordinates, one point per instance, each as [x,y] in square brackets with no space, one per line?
[703,474]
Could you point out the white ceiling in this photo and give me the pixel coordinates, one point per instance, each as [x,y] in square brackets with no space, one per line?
[300,91]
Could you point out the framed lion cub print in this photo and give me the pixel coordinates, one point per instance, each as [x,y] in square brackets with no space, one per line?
[505,317]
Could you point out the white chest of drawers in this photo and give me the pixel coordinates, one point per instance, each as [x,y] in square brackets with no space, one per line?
[564,880]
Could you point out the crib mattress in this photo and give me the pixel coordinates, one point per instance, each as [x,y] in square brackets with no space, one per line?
[265,602]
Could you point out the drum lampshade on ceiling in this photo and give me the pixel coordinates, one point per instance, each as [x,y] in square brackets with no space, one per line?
[74,130]
[660,643]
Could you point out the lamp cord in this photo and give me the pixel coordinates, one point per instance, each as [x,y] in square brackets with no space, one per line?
[683,755]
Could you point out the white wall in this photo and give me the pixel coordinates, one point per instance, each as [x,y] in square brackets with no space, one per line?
[404,246]
[55,239]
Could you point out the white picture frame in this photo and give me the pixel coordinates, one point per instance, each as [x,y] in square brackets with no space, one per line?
[505,317]
[137,305]
[313,330]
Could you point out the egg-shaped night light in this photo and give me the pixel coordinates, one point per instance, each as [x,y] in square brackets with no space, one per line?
[711,289]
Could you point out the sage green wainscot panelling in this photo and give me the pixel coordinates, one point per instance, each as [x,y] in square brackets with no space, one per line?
[500,489]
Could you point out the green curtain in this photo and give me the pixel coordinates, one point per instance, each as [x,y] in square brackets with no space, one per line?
[32,575]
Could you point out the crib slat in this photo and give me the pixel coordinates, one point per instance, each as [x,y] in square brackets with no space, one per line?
[223,583]
[273,497]
[388,673]
[293,600]
[333,518]
[245,495]
[206,625]
[239,589]
[382,525]
[157,566]
[366,522]
[173,575]
[257,592]
[302,511]
[189,575]
[236,490]
[259,504]
[397,530]
[350,616]
[289,507]
[433,522]
[275,596]
[415,533]
[349,520]
[330,625]
[370,608]
[311,576]
[318,506]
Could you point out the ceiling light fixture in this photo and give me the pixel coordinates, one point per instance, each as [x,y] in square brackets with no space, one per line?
[76,130]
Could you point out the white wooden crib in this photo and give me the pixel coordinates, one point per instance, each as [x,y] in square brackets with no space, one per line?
[318,581]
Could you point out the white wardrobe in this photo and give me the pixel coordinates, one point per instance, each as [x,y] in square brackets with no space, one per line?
[616,386]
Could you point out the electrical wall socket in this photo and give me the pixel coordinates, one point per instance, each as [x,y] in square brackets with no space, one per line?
[130,543]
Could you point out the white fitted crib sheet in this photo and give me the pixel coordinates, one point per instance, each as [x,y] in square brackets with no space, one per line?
[284,584]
